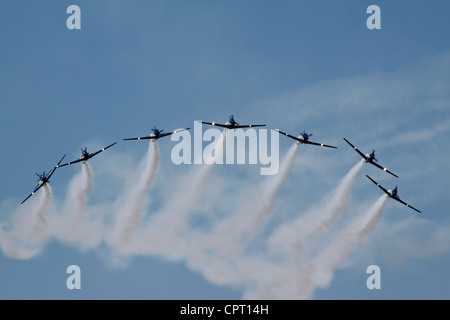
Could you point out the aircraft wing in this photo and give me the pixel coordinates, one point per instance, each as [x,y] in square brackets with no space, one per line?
[319,144]
[69,163]
[233,127]
[101,150]
[41,184]
[51,172]
[141,138]
[406,204]
[35,189]
[56,167]
[27,198]
[385,191]
[169,133]
[90,156]
[248,126]
[356,149]
[216,124]
[372,162]
[288,135]
[155,137]
[303,141]
[394,197]
[382,168]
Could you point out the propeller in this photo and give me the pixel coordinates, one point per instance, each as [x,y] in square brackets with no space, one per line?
[306,135]
[156,131]
[41,176]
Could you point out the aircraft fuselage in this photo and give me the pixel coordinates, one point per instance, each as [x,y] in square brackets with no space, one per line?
[393,194]
[231,124]
[369,157]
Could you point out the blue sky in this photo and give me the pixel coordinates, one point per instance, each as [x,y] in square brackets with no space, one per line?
[294,65]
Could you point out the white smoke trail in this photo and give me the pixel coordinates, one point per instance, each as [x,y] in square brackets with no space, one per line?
[343,243]
[85,183]
[198,183]
[167,231]
[38,218]
[298,276]
[27,236]
[264,278]
[72,225]
[131,211]
[246,221]
[217,255]
[14,248]
[265,203]
[216,251]
[283,258]
[290,237]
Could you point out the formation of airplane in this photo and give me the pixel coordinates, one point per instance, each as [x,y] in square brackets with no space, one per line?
[85,156]
[43,179]
[232,124]
[393,194]
[157,134]
[370,158]
[304,138]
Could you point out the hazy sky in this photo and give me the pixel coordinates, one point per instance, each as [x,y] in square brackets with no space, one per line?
[293,65]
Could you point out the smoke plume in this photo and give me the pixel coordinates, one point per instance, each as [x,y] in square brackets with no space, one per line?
[166,232]
[28,233]
[131,210]
[72,224]
[344,242]
[291,237]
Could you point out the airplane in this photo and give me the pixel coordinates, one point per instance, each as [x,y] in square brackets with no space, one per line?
[304,138]
[157,134]
[85,155]
[370,158]
[43,179]
[393,194]
[232,124]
